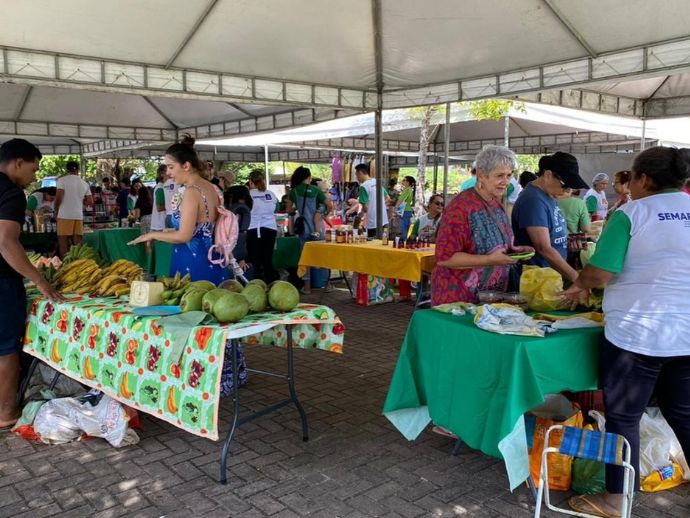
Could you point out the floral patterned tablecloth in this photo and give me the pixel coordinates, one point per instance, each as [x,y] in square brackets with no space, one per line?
[101,343]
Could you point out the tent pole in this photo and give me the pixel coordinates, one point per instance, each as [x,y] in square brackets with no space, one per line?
[644,131]
[379,166]
[506,131]
[378,55]
[435,172]
[446,150]
[268,177]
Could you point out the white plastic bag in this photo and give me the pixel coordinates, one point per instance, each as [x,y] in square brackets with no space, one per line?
[97,415]
[659,445]
[53,423]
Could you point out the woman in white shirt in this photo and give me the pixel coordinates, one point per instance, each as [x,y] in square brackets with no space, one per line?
[261,236]
[643,259]
[597,204]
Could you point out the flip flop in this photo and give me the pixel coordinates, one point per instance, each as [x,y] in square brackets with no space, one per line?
[443,431]
[582,504]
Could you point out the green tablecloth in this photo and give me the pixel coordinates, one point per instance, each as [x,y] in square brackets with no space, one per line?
[162,257]
[479,384]
[111,245]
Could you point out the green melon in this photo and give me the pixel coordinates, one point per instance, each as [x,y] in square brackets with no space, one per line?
[283,296]
[256,296]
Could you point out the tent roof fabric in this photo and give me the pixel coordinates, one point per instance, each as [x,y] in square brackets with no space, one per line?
[437,51]
[78,71]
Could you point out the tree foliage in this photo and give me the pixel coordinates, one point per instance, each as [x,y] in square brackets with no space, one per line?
[492,109]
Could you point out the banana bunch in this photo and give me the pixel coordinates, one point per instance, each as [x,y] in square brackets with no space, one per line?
[174,288]
[112,285]
[79,276]
[81,251]
[116,279]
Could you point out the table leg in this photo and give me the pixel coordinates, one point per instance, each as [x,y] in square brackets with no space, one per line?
[533,490]
[25,382]
[236,415]
[456,447]
[291,386]
[237,421]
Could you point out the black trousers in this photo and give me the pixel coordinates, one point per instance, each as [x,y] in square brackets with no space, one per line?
[260,253]
[628,380]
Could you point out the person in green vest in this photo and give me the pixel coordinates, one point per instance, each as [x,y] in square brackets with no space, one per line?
[405,205]
[575,211]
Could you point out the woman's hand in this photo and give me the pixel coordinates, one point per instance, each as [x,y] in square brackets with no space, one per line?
[575,296]
[499,257]
[145,238]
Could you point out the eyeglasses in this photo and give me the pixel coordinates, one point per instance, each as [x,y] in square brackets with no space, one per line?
[559,181]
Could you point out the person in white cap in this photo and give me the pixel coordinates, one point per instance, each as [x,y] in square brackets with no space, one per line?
[595,198]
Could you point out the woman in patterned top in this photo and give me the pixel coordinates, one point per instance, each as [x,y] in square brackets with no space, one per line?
[475,235]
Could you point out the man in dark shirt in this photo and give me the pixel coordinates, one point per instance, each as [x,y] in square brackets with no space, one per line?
[19,161]
[122,197]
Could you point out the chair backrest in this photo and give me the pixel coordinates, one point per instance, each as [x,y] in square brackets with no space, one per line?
[604,447]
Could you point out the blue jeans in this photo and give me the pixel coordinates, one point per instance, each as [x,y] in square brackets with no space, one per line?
[405,222]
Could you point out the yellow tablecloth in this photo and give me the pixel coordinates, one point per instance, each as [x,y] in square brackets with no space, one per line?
[372,258]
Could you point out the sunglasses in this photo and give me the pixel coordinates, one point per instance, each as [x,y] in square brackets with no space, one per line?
[439,203]
[559,181]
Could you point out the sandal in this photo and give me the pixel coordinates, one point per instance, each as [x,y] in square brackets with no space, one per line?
[583,504]
[443,431]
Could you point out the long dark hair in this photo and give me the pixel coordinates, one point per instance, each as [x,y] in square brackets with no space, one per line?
[236,194]
[183,152]
[667,167]
[298,177]
[413,183]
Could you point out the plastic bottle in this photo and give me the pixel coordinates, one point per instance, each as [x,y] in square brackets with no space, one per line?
[384,238]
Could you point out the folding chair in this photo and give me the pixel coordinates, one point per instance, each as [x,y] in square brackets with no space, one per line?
[423,291]
[608,448]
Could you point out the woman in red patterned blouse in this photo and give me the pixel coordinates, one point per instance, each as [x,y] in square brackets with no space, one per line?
[475,234]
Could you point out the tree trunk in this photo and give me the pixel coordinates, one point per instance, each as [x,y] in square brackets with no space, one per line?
[424,135]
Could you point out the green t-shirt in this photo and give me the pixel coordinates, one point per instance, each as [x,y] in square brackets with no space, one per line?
[592,204]
[407,197]
[311,192]
[613,244]
[160,196]
[31,203]
[576,214]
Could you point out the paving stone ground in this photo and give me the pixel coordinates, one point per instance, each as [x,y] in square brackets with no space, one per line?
[355,465]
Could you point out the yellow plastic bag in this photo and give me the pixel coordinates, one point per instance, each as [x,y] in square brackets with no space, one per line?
[542,287]
[662,479]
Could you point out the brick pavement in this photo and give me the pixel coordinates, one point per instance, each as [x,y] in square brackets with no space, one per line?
[355,464]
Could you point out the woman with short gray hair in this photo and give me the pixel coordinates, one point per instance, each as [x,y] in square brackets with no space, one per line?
[475,236]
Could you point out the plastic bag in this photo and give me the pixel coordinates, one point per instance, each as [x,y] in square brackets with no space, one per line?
[555,410]
[542,287]
[589,477]
[506,319]
[662,479]
[659,445]
[97,415]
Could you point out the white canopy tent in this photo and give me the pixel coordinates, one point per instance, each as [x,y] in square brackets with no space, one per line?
[339,56]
